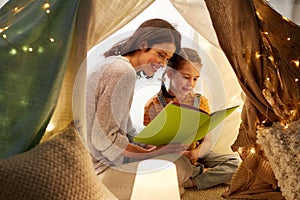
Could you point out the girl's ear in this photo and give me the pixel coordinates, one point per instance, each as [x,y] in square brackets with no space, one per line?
[170,72]
[143,46]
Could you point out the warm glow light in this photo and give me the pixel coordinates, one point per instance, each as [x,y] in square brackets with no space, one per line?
[46,6]
[296,62]
[156,179]
[240,149]
[296,79]
[288,39]
[271,58]
[50,127]
[40,50]
[4,36]
[30,49]
[285,18]
[258,15]
[25,48]
[13,52]
[3,29]
[285,125]
[17,9]
[265,33]
[51,39]
[257,55]
[47,11]
[268,78]
[252,150]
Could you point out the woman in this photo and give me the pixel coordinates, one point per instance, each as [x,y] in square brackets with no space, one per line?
[110,88]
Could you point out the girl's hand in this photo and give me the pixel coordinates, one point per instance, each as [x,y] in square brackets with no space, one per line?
[192,154]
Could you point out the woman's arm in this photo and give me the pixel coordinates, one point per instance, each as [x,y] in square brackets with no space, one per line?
[139,153]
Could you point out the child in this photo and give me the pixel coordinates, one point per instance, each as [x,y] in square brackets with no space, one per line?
[183,72]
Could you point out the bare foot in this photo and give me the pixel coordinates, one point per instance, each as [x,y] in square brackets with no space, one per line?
[205,170]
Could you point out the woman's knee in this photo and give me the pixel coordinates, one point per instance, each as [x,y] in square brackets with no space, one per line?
[184,169]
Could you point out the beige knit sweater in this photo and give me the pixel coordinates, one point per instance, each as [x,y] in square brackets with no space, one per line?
[109,92]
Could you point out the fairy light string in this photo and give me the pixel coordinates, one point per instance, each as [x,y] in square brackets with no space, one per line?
[29,48]
[268,56]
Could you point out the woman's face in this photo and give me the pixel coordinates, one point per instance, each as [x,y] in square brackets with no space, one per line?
[156,57]
[183,80]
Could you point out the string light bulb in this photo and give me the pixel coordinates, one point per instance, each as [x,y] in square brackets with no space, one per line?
[285,18]
[271,58]
[3,29]
[252,150]
[296,62]
[258,15]
[46,6]
[50,127]
[13,52]
[257,55]
[265,33]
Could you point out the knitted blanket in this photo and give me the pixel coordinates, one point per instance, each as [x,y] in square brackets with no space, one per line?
[281,144]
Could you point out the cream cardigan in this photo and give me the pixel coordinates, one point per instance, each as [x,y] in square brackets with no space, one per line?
[109,92]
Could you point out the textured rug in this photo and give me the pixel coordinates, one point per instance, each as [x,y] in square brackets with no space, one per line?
[214,193]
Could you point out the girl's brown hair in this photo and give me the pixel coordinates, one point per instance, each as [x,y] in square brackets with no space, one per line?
[177,61]
[153,31]
[185,55]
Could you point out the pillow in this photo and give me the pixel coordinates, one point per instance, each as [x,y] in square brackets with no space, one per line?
[59,168]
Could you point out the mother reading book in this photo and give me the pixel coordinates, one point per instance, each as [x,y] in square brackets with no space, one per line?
[183,71]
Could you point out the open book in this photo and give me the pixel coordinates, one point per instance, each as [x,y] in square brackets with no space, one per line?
[178,123]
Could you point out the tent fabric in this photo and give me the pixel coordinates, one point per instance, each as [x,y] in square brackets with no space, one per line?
[34,48]
[261,47]
[96,21]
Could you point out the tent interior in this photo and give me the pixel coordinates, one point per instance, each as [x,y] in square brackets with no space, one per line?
[218,81]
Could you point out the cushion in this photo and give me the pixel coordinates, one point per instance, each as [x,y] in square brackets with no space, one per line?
[59,168]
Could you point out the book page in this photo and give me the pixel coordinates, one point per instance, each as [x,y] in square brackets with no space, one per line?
[174,124]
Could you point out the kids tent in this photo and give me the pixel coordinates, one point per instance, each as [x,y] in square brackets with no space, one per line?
[44,48]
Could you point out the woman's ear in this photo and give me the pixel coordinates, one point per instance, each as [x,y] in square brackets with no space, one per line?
[143,46]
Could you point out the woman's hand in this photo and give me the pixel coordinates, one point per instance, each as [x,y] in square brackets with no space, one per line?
[170,148]
[138,153]
[150,147]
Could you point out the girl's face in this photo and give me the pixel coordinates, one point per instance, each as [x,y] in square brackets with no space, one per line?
[156,57]
[183,80]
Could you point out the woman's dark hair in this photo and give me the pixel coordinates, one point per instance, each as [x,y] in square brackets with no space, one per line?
[177,61]
[153,31]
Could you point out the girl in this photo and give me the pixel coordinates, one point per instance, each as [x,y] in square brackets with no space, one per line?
[183,73]
[109,93]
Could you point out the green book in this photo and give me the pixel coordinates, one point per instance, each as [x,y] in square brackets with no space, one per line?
[178,123]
